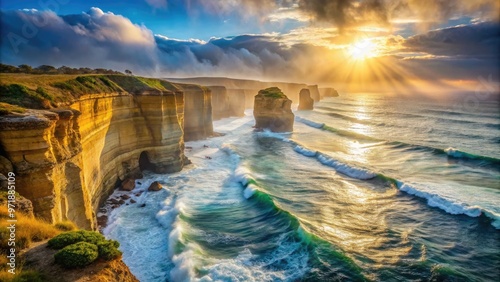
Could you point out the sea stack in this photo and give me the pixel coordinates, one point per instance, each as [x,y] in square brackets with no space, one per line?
[273,110]
[328,92]
[305,100]
[314,90]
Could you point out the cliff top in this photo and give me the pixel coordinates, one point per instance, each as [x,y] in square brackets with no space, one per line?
[272,92]
[32,91]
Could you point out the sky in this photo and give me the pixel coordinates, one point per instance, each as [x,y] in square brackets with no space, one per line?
[362,44]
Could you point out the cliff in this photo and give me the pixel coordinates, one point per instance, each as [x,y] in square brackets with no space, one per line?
[67,161]
[227,102]
[249,87]
[197,111]
[236,99]
[328,92]
[272,110]
[314,90]
[220,102]
[305,100]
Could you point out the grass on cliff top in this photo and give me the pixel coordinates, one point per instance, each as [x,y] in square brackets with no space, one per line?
[272,92]
[19,91]
[6,108]
[136,84]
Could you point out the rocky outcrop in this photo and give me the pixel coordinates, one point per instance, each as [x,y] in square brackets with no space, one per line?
[155,186]
[40,258]
[249,87]
[272,110]
[197,111]
[328,92]
[305,100]
[313,89]
[68,161]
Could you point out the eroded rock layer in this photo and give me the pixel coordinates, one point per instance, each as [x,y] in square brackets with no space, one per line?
[68,161]
[272,110]
[197,111]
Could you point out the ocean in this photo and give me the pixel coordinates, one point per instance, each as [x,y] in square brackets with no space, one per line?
[366,188]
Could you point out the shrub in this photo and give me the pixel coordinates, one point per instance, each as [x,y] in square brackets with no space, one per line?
[42,92]
[67,238]
[64,239]
[91,236]
[77,255]
[65,226]
[108,250]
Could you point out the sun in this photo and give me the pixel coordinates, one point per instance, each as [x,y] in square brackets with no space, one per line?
[362,49]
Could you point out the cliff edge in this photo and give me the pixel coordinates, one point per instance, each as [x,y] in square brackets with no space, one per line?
[105,129]
[272,110]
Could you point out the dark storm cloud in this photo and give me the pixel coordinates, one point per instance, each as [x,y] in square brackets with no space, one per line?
[347,13]
[459,52]
[480,40]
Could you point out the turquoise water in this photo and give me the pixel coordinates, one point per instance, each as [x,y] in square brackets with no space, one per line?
[365,188]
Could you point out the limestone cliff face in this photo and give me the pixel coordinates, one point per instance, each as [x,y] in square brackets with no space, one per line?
[236,102]
[249,87]
[313,89]
[305,100]
[197,111]
[68,161]
[272,110]
[328,92]
[249,97]
[220,102]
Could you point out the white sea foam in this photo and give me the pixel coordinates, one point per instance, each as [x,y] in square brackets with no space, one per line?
[448,205]
[354,172]
[249,267]
[439,201]
[452,152]
[250,190]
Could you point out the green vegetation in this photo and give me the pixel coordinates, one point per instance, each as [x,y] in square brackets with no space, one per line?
[77,255]
[23,276]
[272,92]
[8,108]
[46,87]
[106,249]
[18,94]
[67,238]
[46,69]
[19,91]
[135,84]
